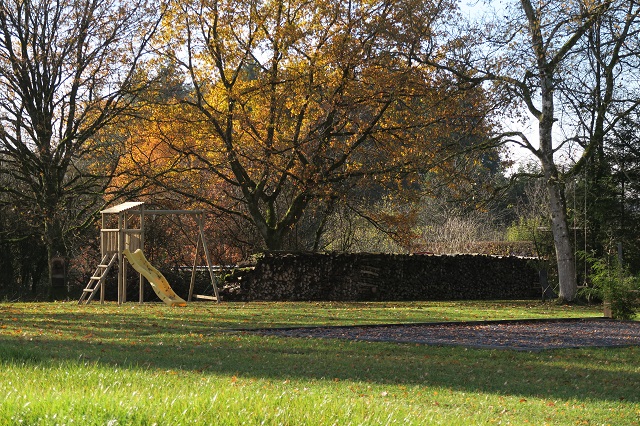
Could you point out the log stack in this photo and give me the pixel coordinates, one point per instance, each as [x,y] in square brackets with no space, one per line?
[388,277]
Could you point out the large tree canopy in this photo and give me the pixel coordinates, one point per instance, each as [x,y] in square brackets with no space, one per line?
[290,103]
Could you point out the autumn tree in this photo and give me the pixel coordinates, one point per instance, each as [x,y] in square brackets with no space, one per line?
[67,70]
[293,103]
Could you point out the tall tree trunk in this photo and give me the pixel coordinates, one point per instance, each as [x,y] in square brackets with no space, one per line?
[557,204]
[56,248]
[562,242]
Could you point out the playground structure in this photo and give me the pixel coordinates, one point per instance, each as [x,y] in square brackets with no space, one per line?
[126,242]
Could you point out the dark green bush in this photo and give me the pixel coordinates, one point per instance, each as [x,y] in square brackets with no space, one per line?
[614,285]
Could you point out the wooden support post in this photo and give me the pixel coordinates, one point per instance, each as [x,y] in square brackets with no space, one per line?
[141,288]
[120,256]
[193,271]
[127,243]
[102,255]
[206,253]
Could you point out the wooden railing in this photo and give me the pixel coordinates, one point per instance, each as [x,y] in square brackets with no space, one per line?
[110,243]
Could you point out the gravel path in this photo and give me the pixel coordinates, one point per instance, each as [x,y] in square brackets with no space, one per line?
[527,335]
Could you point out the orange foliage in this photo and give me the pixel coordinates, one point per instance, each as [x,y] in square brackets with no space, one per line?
[291,102]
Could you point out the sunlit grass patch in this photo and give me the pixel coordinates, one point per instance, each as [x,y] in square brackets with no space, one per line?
[139,365]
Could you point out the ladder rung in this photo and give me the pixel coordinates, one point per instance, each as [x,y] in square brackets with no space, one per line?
[98,280]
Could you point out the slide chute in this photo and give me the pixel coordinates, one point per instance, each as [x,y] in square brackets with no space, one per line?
[158,282]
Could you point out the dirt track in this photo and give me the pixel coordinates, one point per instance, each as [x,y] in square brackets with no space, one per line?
[530,335]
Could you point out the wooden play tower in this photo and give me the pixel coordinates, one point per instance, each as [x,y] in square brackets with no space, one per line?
[129,235]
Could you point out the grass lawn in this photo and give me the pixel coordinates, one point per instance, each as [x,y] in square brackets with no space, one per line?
[61,363]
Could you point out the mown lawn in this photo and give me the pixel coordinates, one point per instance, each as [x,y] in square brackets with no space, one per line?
[152,364]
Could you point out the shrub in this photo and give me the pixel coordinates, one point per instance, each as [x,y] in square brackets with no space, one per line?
[615,285]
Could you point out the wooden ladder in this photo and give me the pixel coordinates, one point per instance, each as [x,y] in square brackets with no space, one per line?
[97,279]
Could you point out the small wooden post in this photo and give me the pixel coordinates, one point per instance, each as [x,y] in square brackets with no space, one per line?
[606,304]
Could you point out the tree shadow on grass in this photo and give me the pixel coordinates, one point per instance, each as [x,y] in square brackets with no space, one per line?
[595,374]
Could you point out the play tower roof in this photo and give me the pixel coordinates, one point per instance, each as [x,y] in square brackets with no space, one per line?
[122,207]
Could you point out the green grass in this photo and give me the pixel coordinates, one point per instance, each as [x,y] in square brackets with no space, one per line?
[151,364]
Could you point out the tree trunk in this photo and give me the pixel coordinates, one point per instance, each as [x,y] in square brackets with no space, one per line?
[54,241]
[562,242]
[557,204]
[273,239]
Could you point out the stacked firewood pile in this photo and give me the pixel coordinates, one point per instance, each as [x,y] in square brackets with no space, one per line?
[388,277]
